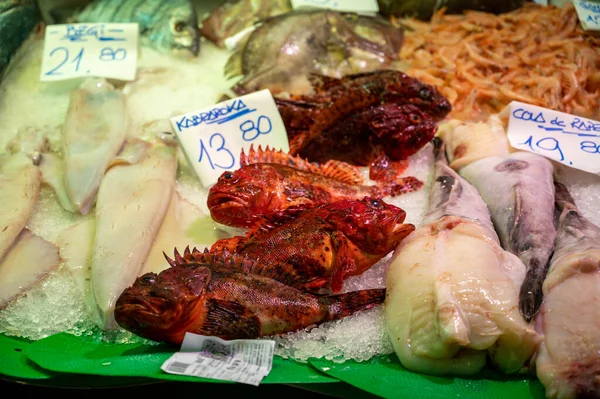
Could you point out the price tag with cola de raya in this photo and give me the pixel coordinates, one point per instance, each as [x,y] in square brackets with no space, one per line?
[568,139]
[213,138]
[105,50]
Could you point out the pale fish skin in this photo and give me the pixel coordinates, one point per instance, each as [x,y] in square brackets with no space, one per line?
[567,362]
[519,192]
[29,261]
[131,205]
[467,142]
[452,290]
[94,131]
[165,25]
[20,182]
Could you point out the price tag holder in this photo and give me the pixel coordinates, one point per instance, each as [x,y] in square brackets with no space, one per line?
[242,360]
[360,7]
[104,50]
[568,139]
[213,138]
[589,14]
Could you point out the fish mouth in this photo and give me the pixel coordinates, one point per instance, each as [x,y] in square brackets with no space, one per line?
[225,201]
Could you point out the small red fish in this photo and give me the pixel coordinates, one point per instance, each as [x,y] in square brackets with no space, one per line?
[210,297]
[335,100]
[319,249]
[274,186]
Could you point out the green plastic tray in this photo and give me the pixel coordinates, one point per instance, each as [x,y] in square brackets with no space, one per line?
[70,361]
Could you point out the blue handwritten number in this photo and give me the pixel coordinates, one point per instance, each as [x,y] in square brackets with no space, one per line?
[53,71]
[262,126]
[541,144]
[77,59]
[108,54]
[204,151]
[590,147]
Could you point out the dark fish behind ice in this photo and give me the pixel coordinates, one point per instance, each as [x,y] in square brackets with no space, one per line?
[519,191]
[283,50]
[17,20]
[165,25]
[568,363]
[452,289]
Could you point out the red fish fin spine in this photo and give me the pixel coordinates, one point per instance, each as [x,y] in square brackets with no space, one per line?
[342,171]
[343,305]
[342,262]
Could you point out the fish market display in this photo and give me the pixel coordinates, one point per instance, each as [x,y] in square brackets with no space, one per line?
[272,186]
[318,250]
[282,51]
[132,202]
[481,62]
[94,131]
[567,362]
[210,297]
[17,20]
[234,16]
[424,9]
[335,100]
[165,25]
[452,291]
[519,192]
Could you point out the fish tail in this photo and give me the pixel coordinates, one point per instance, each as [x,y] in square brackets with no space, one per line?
[343,305]
[531,295]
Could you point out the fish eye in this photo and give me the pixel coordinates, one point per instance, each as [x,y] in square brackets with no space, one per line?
[228,175]
[414,118]
[148,279]
[425,94]
[376,203]
[179,26]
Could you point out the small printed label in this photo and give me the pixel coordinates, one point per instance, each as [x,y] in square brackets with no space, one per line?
[96,49]
[589,14]
[213,138]
[242,360]
[362,6]
[568,139]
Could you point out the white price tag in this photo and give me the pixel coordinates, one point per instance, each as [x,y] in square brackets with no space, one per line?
[357,6]
[589,14]
[242,360]
[96,49]
[568,139]
[213,138]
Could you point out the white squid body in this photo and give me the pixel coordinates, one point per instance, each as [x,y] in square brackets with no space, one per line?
[568,362]
[452,290]
[131,204]
[93,133]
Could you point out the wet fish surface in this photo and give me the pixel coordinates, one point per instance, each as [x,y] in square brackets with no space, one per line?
[519,192]
[210,297]
[165,25]
[567,362]
[452,289]
[282,51]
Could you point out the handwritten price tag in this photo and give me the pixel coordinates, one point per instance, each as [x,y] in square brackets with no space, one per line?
[98,49]
[568,139]
[589,14]
[362,6]
[213,138]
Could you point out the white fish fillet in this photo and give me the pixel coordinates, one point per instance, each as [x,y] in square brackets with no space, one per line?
[19,190]
[75,245]
[452,290]
[93,133]
[28,261]
[568,362]
[132,202]
[467,142]
[180,216]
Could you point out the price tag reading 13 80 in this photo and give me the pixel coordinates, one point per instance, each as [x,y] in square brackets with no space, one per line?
[213,138]
[96,49]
